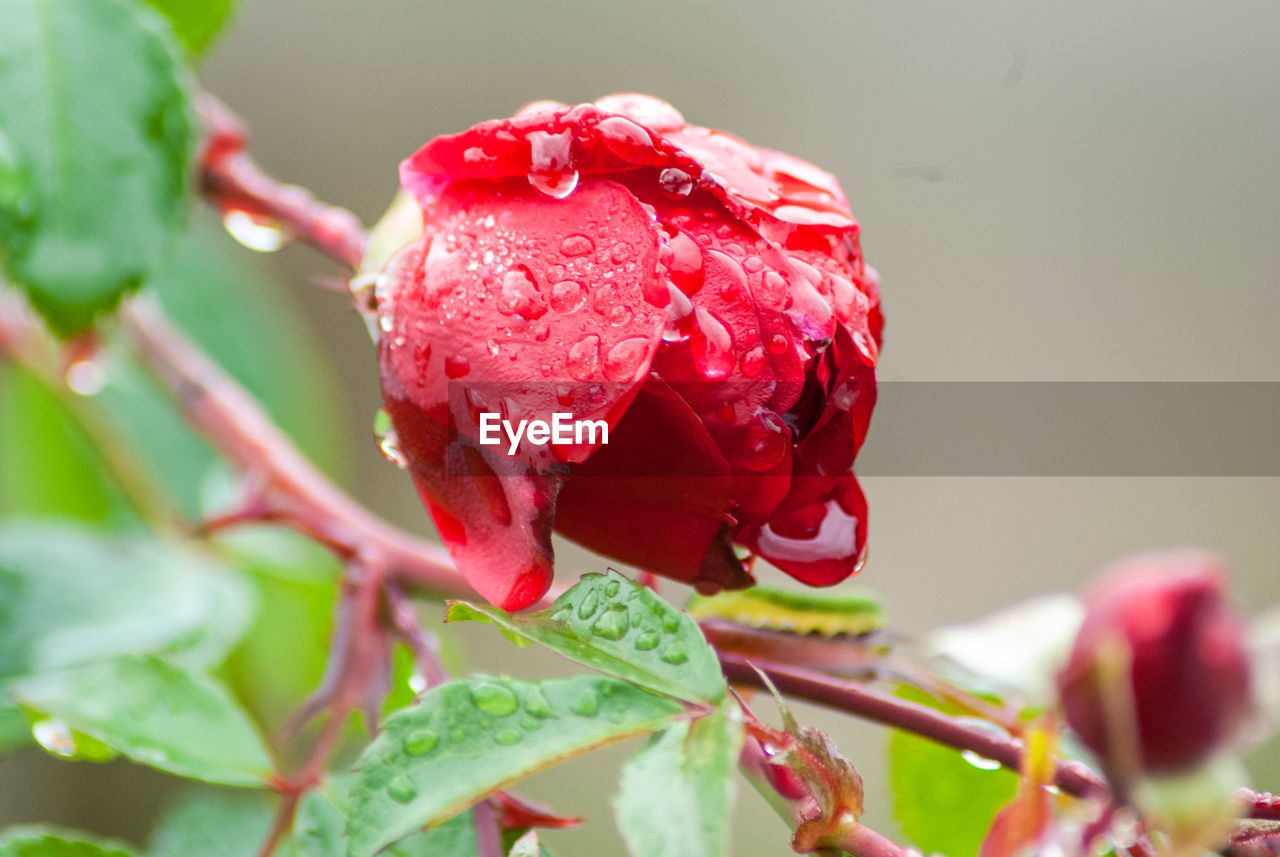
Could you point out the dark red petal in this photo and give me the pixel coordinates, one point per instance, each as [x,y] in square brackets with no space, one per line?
[657,495]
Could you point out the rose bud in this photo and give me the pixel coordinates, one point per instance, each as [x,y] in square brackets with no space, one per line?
[1158,679]
[703,299]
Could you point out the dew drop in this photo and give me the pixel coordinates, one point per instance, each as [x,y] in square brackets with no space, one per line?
[612,624]
[670,622]
[492,347]
[626,139]
[620,253]
[584,357]
[586,705]
[590,604]
[752,264]
[621,363]
[567,296]
[496,699]
[420,742]
[753,362]
[611,589]
[556,185]
[778,343]
[982,763]
[675,182]
[674,654]
[536,705]
[685,267]
[577,245]
[86,377]
[541,334]
[519,294]
[507,737]
[401,789]
[765,442]
[456,367]
[619,314]
[55,737]
[711,346]
[647,641]
[263,235]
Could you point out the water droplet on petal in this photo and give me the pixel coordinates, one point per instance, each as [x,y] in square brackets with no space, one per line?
[778,343]
[557,185]
[577,245]
[612,624]
[496,699]
[675,182]
[674,654]
[567,296]
[401,789]
[519,294]
[753,362]
[626,139]
[263,235]
[420,742]
[711,346]
[584,357]
[590,604]
[622,363]
[752,264]
[456,367]
[765,442]
[685,267]
[542,334]
[492,347]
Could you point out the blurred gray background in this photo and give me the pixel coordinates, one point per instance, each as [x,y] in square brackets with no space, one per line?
[1085,191]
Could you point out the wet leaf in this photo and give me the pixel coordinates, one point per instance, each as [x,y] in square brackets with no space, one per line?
[195,22]
[469,738]
[678,791]
[205,822]
[614,625]
[155,713]
[773,609]
[94,103]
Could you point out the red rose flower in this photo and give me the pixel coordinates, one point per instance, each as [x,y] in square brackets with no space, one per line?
[1158,678]
[704,299]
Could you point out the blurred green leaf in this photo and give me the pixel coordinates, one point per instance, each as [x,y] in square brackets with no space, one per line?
[195,22]
[94,105]
[68,596]
[615,625]
[206,822]
[469,738]
[849,613]
[51,467]
[43,841]
[155,713]
[677,793]
[944,802]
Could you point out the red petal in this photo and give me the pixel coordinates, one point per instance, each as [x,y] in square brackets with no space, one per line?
[507,261]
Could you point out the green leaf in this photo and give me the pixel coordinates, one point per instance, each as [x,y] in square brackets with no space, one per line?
[155,713]
[612,624]
[46,841]
[944,803]
[51,466]
[850,613]
[195,22]
[68,596]
[94,103]
[469,738]
[677,792]
[205,822]
[319,829]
